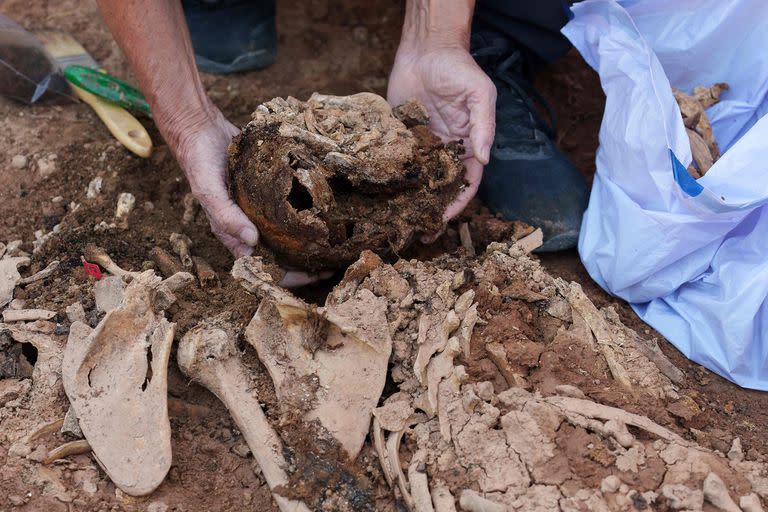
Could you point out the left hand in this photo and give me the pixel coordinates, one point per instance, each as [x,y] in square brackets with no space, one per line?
[459,97]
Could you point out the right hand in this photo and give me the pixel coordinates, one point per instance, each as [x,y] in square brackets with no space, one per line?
[202,154]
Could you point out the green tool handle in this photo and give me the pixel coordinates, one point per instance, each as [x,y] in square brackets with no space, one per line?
[108,87]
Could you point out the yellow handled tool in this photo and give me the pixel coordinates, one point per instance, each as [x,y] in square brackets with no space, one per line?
[125,128]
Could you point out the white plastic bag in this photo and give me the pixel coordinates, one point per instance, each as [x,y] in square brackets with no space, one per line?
[690,255]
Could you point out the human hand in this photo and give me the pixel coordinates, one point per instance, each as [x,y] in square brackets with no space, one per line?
[202,154]
[460,98]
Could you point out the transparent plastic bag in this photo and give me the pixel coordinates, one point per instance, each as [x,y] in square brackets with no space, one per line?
[27,72]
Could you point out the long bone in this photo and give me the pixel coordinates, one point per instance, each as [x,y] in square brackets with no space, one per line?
[207,354]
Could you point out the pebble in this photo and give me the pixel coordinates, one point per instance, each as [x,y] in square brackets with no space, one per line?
[241,449]
[47,165]
[15,500]
[19,450]
[157,506]
[19,162]
[94,187]
[39,454]
[485,390]
[17,304]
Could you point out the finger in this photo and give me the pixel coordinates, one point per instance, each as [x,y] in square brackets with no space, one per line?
[227,218]
[431,237]
[473,176]
[482,121]
[235,246]
[295,279]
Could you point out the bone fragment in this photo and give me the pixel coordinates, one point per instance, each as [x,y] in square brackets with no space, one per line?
[600,328]
[381,450]
[417,478]
[313,140]
[588,409]
[394,416]
[393,455]
[46,429]
[108,293]
[531,242]
[46,272]
[10,277]
[471,501]
[166,263]
[345,346]
[716,493]
[208,355]
[440,367]
[178,281]
[125,203]
[164,296]
[700,152]
[27,315]
[75,312]
[708,96]
[180,244]
[466,239]
[205,274]
[432,337]
[95,254]
[94,187]
[78,447]
[442,499]
[190,208]
[116,379]
[750,503]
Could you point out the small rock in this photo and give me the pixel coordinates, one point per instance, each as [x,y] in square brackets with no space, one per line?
[71,425]
[125,203]
[610,484]
[682,497]
[12,389]
[39,454]
[241,450]
[485,390]
[750,503]
[19,450]
[17,304]
[16,500]
[568,390]
[47,165]
[736,454]
[76,313]
[19,162]
[94,187]
[716,493]
[157,506]
[685,408]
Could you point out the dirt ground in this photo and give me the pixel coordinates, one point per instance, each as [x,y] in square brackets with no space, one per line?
[337,47]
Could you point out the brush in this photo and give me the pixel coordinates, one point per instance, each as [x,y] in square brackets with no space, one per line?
[125,128]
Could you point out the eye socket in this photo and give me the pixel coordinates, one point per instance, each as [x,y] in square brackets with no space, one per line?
[299,197]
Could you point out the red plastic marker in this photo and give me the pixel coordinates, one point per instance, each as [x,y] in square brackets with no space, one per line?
[91,269]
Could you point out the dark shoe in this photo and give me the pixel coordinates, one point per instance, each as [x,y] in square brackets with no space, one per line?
[527,177]
[232,35]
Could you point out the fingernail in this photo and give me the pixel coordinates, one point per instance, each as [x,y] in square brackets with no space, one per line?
[249,236]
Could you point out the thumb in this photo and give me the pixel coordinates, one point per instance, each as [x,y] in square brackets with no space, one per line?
[229,223]
[482,121]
